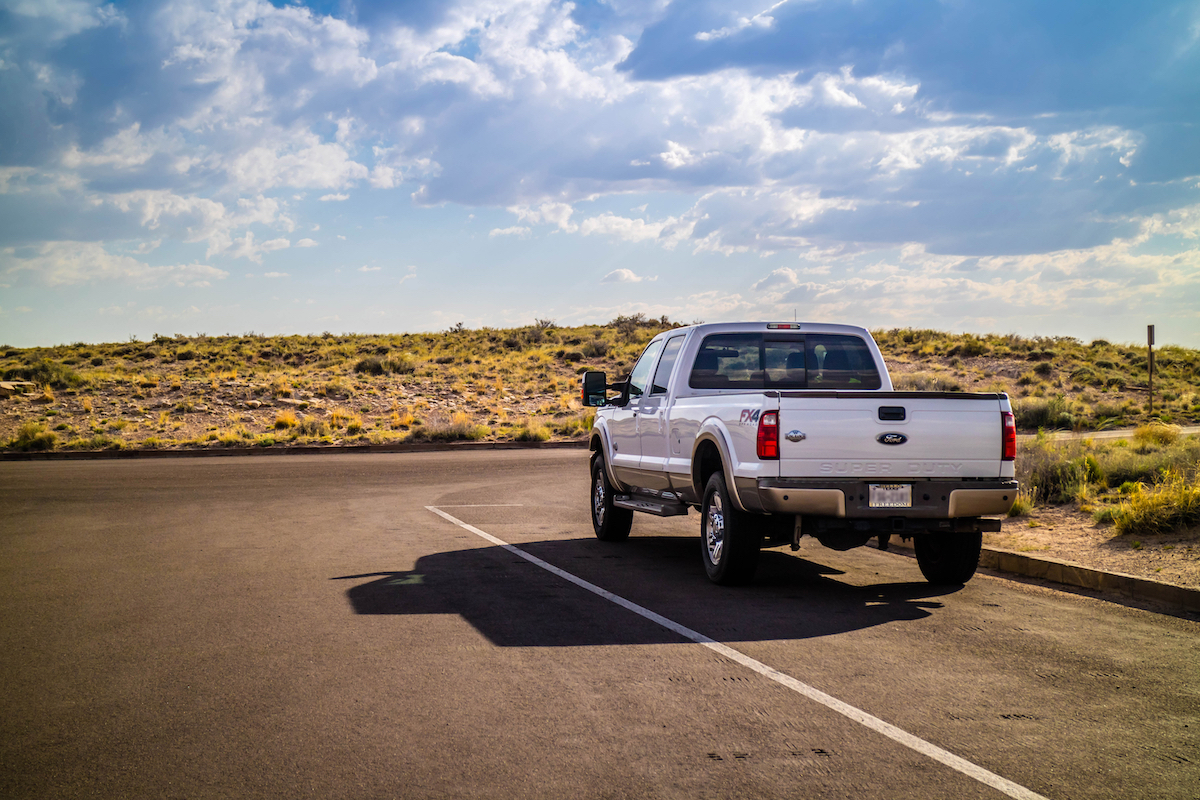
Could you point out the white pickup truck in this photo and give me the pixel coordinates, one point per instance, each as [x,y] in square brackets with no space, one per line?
[783,429]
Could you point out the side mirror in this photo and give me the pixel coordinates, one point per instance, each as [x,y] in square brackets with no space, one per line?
[595,389]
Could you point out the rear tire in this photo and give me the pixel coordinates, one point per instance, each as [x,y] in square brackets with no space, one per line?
[729,539]
[948,558]
[610,523]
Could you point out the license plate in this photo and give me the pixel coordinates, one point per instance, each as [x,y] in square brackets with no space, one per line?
[890,495]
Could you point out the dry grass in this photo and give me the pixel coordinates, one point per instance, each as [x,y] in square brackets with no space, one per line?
[515,382]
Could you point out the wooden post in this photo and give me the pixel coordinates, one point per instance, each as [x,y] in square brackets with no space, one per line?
[1150,364]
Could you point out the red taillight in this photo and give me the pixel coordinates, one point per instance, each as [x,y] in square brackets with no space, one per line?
[1010,436]
[768,436]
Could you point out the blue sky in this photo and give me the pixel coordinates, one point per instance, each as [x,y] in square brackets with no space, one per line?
[225,167]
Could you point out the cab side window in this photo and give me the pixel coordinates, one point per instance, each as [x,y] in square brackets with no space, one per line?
[662,375]
[640,376]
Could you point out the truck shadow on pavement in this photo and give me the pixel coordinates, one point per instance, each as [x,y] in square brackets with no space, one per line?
[514,603]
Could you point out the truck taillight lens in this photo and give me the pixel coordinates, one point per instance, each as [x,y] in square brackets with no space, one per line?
[768,435]
[1010,436]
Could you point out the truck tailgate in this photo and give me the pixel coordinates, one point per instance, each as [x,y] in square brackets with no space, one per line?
[859,435]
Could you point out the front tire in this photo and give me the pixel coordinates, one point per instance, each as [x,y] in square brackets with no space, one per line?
[948,558]
[729,539]
[610,523]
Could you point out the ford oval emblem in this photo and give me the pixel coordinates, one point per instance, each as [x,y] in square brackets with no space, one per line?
[891,438]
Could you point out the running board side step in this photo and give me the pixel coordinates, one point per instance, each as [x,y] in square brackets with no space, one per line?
[655,507]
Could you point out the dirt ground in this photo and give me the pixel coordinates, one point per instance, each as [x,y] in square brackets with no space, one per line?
[1068,534]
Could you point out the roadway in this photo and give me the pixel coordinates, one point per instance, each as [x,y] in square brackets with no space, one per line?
[312,626]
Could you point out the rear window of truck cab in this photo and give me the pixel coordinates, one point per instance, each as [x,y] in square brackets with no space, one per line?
[783,361]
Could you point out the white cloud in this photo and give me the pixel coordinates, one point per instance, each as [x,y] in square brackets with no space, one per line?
[247,248]
[336,198]
[784,276]
[275,275]
[306,243]
[73,263]
[515,230]
[629,230]
[625,276]
[123,150]
[548,213]
[365,268]
[760,20]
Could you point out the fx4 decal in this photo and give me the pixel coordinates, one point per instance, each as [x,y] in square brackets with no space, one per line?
[750,416]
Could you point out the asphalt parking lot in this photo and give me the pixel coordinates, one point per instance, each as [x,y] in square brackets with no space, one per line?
[446,625]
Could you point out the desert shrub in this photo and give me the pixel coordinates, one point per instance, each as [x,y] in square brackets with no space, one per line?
[572,357]
[458,427]
[336,388]
[596,348]
[311,426]
[925,382]
[1156,433]
[1037,414]
[339,417]
[403,419]
[1172,503]
[578,425]
[401,364]
[531,431]
[1146,464]
[99,441]
[97,361]
[370,365]
[33,436]
[1044,368]
[185,355]
[234,436]
[355,425]
[1057,472]
[1061,471]
[285,420]
[46,373]
[281,387]
[1086,376]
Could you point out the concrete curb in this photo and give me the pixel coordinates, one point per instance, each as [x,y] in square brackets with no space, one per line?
[421,447]
[1071,574]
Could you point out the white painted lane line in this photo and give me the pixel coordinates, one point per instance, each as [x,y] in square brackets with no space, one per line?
[905,738]
[483,505]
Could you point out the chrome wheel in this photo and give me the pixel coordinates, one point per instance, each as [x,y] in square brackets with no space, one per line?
[611,523]
[598,499]
[714,528]
[729,538]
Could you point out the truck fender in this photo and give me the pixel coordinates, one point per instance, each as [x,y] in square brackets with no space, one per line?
[600,443]
[713,431]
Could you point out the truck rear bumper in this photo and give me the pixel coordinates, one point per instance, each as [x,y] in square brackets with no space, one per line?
[930,499]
